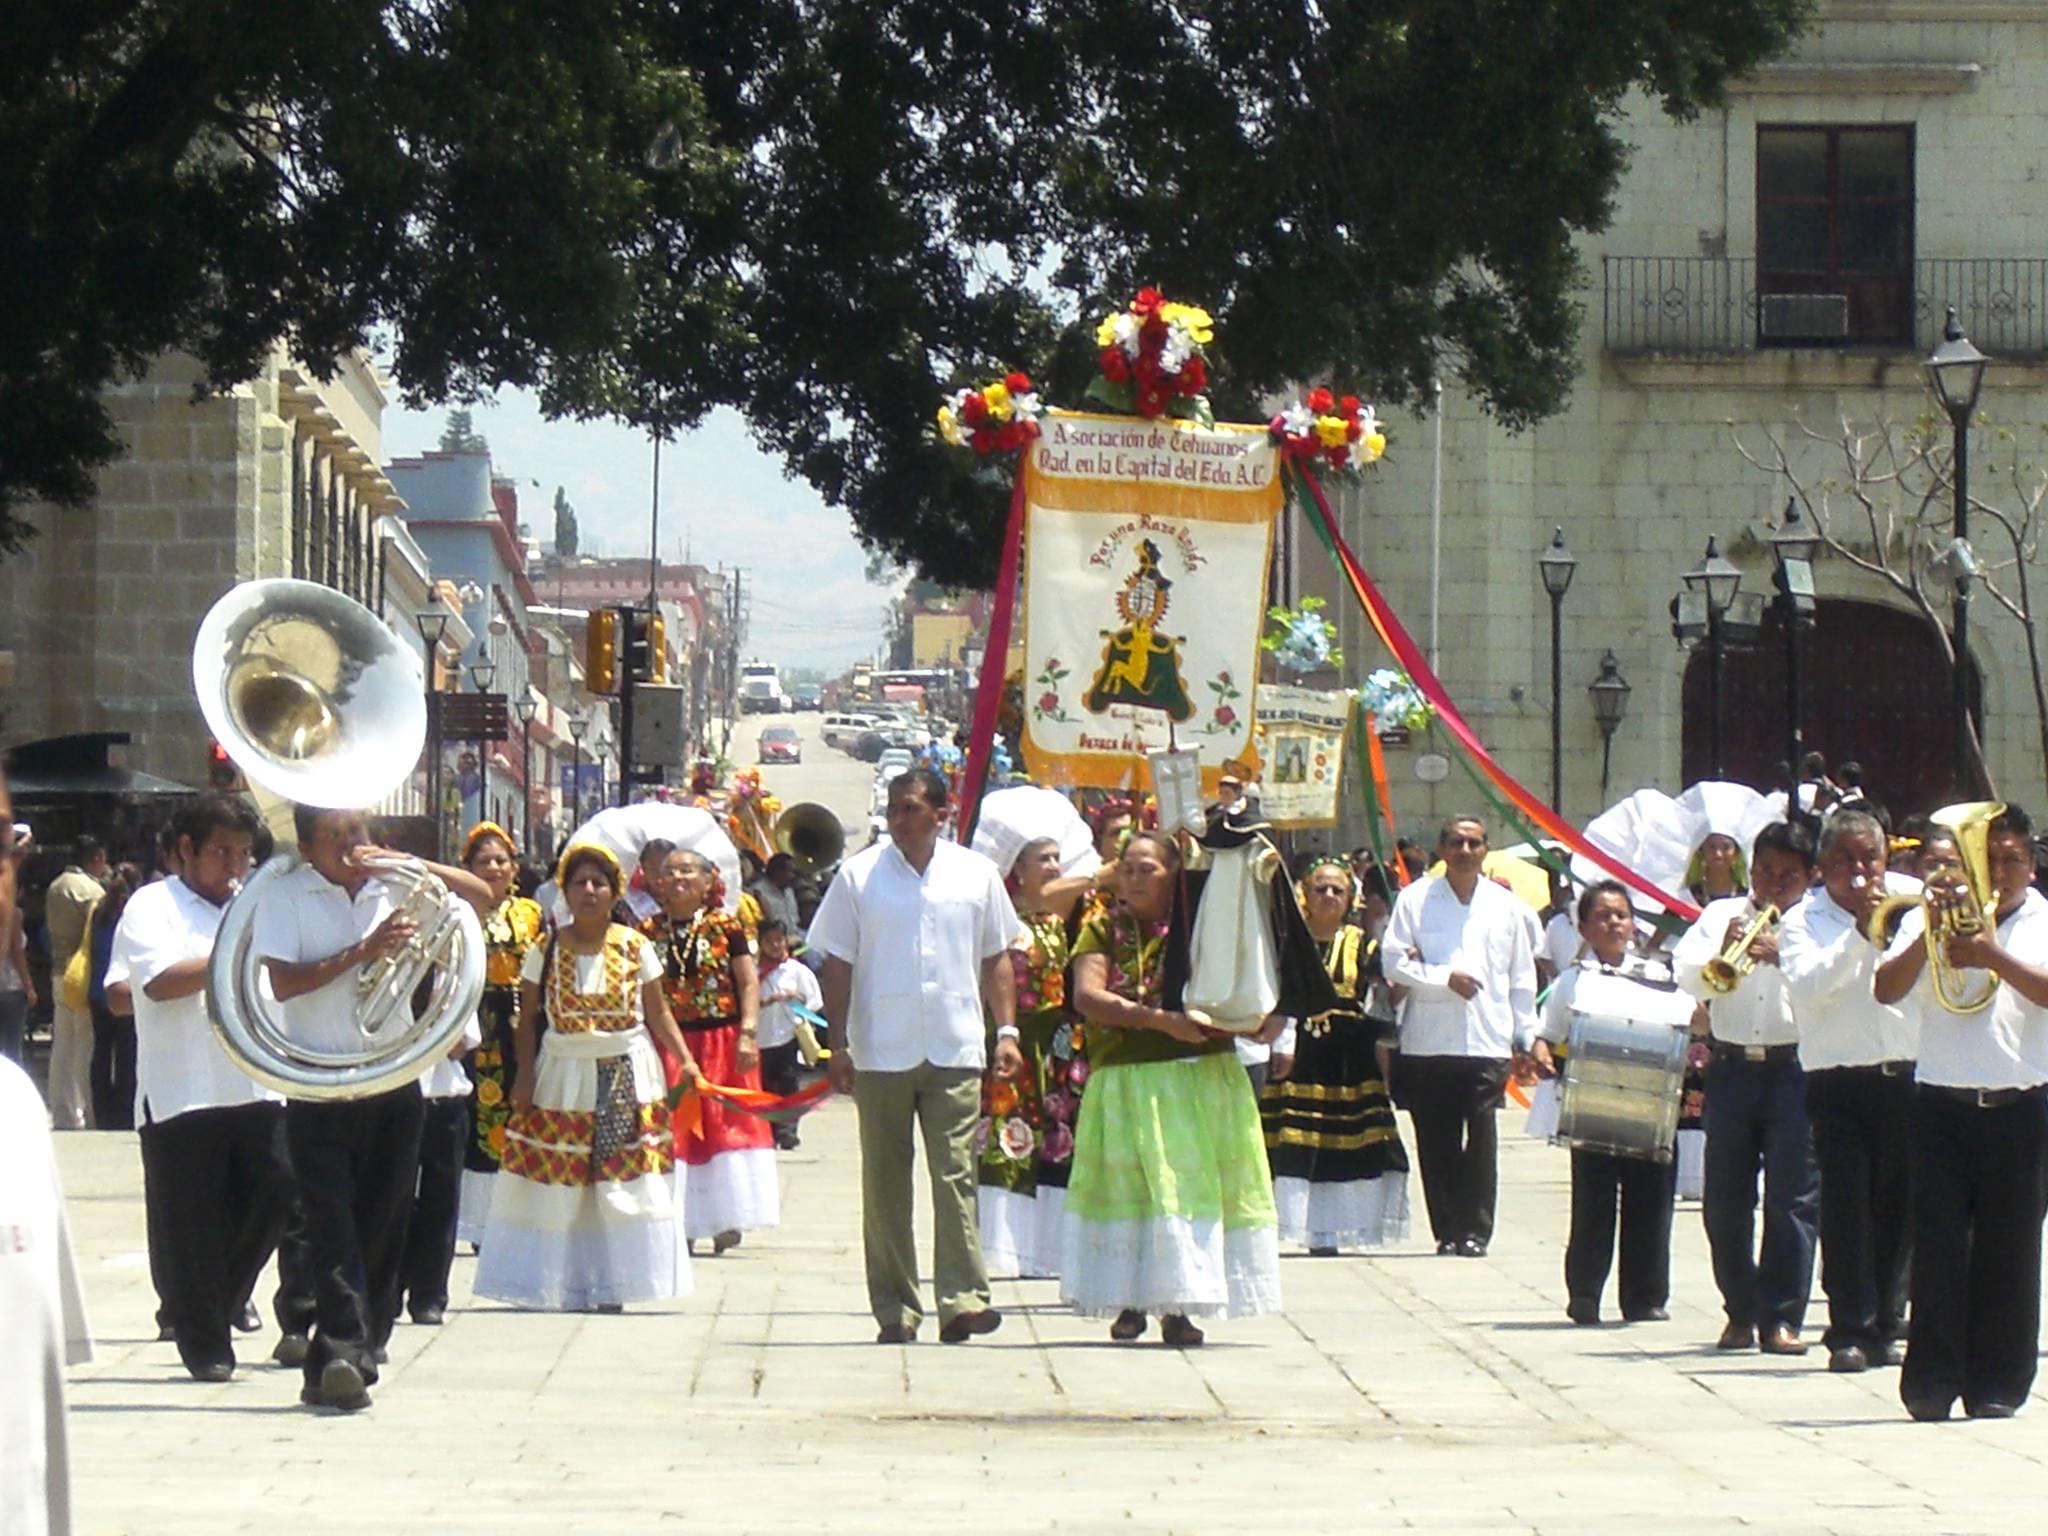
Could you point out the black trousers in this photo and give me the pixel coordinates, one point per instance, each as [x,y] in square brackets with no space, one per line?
[1643,1192]
[1978,1201]
[357,1162]
[1861,1140]
[779,1075]
[217,1183]
[113,1071]
[1756,1119]
[430,1236]
[1453,1101]
[294,1305]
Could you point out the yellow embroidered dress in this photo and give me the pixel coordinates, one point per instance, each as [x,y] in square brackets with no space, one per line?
[584,1214]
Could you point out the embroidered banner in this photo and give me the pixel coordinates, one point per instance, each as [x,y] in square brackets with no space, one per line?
[1146,548]
[1301,744]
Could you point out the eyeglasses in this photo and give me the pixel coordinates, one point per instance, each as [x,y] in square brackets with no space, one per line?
[1464,842]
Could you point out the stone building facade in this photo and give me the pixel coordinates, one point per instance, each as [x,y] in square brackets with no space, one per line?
[1787,258]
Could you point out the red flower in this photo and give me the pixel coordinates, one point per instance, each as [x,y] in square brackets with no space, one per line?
[1010,437]
[1340,457]
[1194,376]
[974,409]
[1115,366]
[1146,368]
[1030,430]
[1278,428]
[1354,431]
[1320,402]
[1020,384]
[1151,400]
[1147,302]
[983,439]
[1222,677]
[1348,405]
[1152,334]
[1049,702]
[1225,715]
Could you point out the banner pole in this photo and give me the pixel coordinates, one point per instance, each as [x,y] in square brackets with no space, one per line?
[988,693]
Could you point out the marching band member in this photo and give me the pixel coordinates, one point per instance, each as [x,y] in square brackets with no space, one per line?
[1857,1054]
[216,1181]
[1756,1107]
[1460,944]
[1979,1144]
[584,1217]
[356,1160]
[1643,1188]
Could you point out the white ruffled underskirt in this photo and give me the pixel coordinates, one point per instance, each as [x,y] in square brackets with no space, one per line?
[1692,1165]
[736,1191]
[1357,1213]
[568,1248]
[473,1207]
[1020,1234]
[1169,1265]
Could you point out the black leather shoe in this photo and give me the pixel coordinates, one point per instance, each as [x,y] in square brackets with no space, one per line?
[1583,1310]
[1647,1315]
[1929,1410]
[969,1325]
[430,1317]
[342,1387]
[1991,1410]
[1891,1352]
[1736,1336]
[249,1321]
[1471,1248]
[1446,1249]
[896,1333]
[292,1350]
[1322,1253]
[1848,1360]
[212,1371]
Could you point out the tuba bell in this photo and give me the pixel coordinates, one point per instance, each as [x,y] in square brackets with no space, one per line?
[812,835]
[317,703]
[1970,823]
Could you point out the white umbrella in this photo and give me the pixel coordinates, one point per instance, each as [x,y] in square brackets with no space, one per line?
[626,829]
[1010,818]
[1655,835]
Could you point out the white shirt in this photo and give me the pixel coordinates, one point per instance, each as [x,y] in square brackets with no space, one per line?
[1561,943]
[1759,1010]
[1432,934]
[446,1079]
[590,977]
[42,1318]
[179,1063]
[2003,1046]
[778,1023]
[1557,1008]
[1829,969]
[305,916]
[916,944]
[1254,1052]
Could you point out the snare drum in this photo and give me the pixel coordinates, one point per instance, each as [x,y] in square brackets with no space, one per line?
[1624,1074]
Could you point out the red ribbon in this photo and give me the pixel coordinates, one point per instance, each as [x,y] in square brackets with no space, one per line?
[988,693]
[1412,660]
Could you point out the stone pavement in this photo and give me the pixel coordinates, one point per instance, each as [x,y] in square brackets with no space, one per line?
[1401,1391]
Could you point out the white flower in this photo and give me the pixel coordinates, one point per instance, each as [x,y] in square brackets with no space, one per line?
[1175,350]
[1299,420]
[1025,406]
[1127,334]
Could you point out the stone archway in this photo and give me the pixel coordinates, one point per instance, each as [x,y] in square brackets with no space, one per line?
[1875,689]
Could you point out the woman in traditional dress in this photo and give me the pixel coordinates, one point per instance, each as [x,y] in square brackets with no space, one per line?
[1340,1173]
[726,1164]
[1026,1135]
[583,1217]
[1169,1203]
[512,925]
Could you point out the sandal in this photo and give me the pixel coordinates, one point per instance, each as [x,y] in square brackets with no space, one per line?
[726,1239]
[1176,1332]
[1129,1324]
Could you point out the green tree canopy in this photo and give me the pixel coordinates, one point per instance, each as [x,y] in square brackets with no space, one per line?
[459,434]
[566,536]
[819,211]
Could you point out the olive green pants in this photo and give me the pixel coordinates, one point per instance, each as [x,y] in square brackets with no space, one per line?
[942,1103]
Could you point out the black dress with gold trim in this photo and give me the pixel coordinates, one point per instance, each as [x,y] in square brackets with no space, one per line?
[1340,1173]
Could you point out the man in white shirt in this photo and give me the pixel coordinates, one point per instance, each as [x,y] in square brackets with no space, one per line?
[776,892]
[1755,1116]
[215,1176]
[1461,946]
[356,1159]
[1980,1144]
[786,984]
[915,934]
[1857,1054]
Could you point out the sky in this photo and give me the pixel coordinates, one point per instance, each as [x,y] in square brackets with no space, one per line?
[723,501]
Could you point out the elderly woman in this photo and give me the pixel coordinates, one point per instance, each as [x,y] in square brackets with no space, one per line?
[1340,1173]
[1169,1203]
[512,926]
[1026,1135]
[584,1215]
[727,1160]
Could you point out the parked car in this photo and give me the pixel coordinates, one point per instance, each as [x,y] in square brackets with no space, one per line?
[842,731]
[781,744]
[870,745]
[892,762]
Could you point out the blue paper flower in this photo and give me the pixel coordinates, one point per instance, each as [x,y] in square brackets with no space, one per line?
[1394,701]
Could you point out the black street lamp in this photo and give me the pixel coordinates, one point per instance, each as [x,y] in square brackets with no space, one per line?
[525,708]
[482,673]
[578,724]
[1610,691]
[1556,566]
[1698,612]
[433,624]
[1794,543]
[1957,372]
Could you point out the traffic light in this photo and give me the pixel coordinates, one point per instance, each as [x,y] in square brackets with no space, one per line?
[646,659]
[600,651]
[221,772]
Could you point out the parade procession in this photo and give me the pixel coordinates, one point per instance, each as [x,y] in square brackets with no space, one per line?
[1269,767]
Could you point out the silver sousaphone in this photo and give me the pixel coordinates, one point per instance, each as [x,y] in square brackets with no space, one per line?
[318,703]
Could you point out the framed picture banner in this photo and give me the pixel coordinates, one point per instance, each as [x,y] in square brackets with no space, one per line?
[1301,749]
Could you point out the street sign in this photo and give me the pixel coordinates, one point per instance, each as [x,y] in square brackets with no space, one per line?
[472,716]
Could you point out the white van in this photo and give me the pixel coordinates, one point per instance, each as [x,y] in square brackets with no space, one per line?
[844,730]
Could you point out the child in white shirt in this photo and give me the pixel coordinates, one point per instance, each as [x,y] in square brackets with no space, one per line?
[786,984]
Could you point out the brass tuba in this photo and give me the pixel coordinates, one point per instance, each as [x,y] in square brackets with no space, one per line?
[1722,973]
[1970,823]
[317,703]
[810,833]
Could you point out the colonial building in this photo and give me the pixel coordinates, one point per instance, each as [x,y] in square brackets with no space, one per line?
[1787,259]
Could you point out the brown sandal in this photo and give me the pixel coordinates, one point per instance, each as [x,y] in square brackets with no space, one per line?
[1176,1332]
[1129,1324]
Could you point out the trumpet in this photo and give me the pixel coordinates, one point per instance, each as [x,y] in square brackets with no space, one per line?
[1722,973]
[1970,821]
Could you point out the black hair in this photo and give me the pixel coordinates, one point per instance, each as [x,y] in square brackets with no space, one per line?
[2014,822]
[262,845]
[770,925]
[305,819]
[1592,894]
[780,861]
[531,877]
[1161,840]
[207,814]
[1813,766]
[578,857]
[1849,775]
[1444,831]
[654,853]
[930,783]
[85,848]
[1785,837]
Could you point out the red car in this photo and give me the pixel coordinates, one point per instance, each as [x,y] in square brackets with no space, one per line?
[781,744]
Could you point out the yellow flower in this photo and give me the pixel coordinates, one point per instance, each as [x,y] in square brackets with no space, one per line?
[949,427]
[1331,431]
[1197,321]
[488,1092]
[997,397]
[1105,333]
[1374,444]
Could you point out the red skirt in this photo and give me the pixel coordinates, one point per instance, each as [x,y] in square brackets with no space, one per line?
[724,1129]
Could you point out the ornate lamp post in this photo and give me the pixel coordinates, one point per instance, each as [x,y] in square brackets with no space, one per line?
[578,724]
[1610,691]
[1956,371]
[482,673]
[1698,611]
[1556,566]
[1794,544]
[433,624]
[525,709]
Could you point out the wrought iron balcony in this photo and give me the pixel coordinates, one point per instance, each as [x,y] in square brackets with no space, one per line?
[1719,306]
